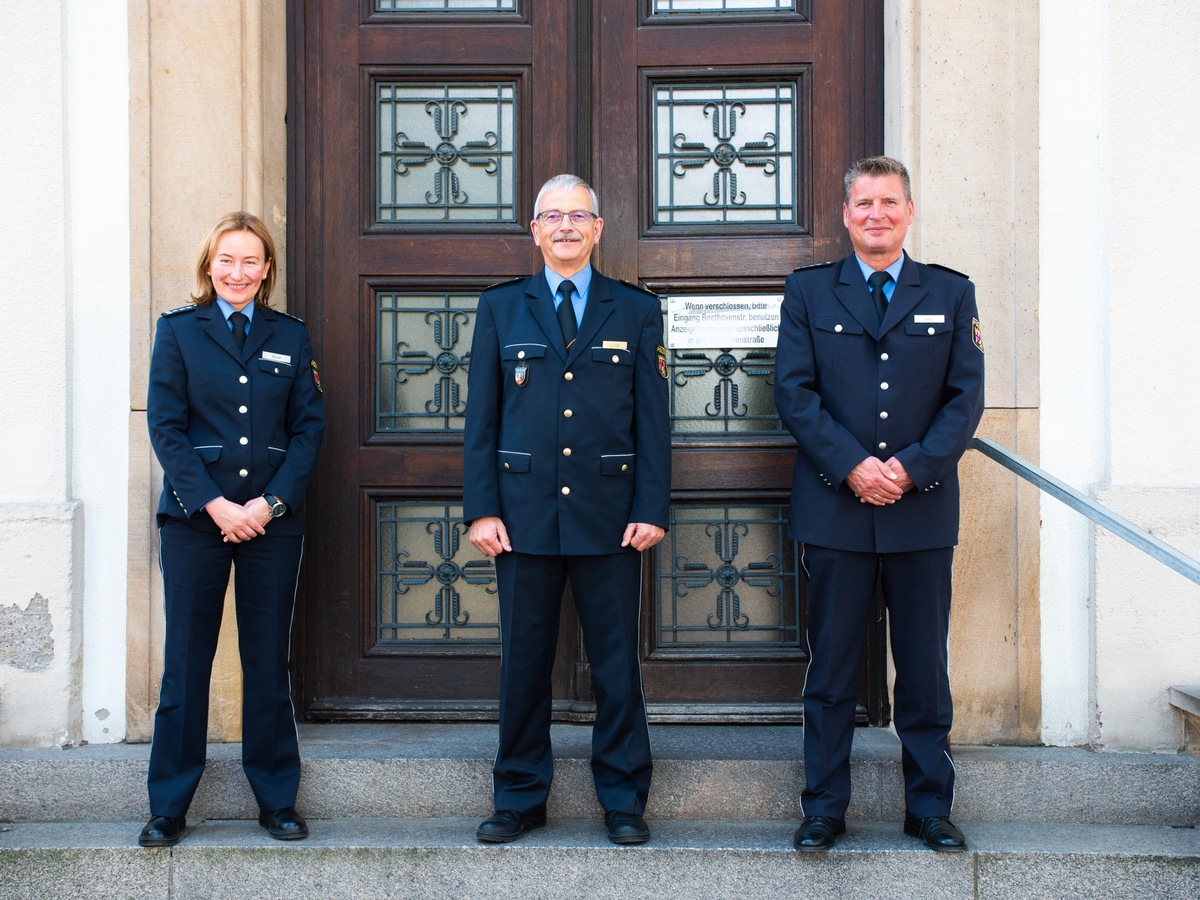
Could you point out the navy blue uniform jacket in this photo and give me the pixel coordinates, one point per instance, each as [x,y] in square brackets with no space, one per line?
[848,387]
[567,447]
[231,424]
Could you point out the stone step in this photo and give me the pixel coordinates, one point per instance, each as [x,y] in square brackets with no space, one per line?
[426,770]
[439,858]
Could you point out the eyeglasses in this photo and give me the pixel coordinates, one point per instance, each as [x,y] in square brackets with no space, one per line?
[555,217]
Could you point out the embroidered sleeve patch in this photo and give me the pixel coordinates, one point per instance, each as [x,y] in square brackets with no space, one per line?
[316,377]
[661,355]
[977,334]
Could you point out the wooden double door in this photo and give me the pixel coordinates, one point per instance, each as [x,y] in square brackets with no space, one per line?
[715,134]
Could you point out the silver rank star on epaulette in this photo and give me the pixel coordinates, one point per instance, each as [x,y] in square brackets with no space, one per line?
[191,307]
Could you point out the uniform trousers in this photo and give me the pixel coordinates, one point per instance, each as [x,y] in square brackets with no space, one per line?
[195,567]
[607,592]
[916,591]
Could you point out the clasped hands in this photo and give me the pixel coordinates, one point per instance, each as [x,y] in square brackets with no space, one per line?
[239,522]
[879,483]
[490,537]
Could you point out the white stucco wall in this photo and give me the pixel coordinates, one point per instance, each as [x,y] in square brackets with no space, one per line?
[64,364]
[1120,84]
[97,101]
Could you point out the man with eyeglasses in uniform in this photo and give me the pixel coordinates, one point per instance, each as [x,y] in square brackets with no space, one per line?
[567,477]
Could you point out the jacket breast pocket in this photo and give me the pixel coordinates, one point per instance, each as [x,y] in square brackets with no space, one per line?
[928,329]
[273,367]
[514,354]
[837,325]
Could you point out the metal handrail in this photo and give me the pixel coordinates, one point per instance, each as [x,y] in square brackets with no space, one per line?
[1101,515]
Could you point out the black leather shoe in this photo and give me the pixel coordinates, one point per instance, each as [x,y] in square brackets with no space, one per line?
[507,825]
[626,827]
[284,824]
[818,833]
[162,831]
[937,832]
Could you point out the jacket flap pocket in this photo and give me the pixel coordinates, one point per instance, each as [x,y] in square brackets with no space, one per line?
[837,324]
[617,464]
[208,454]
[522,351]
[275,368]
[511,461]
[276,456]
[928,328]
[611,356]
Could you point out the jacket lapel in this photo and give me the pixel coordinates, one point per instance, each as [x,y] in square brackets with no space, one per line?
[261,329]
[906,297]
[218,329]
[598,309]
[854,294]
[541,304]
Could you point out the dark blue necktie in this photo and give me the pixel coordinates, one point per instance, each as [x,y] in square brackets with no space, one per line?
[877,281]
[566,313]
[239,322]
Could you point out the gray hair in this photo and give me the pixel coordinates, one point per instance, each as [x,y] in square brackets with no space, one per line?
[876,167]
[565,183]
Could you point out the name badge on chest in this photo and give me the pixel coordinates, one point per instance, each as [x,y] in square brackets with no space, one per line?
[521,374]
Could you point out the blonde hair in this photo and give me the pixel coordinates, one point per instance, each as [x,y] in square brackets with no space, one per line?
[234,221]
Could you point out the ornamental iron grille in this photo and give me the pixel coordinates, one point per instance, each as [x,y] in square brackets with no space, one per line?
[454,6]
[427,592]
[667,7]
[728,575]
[423,387]
[725,154]
[446,153]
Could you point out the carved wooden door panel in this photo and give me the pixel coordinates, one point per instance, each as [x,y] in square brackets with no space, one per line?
[715,133]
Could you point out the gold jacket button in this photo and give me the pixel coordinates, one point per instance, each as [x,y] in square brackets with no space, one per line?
[566,490]
[566,451]
[567,414]
[616,358]
[568,376]
[625,467]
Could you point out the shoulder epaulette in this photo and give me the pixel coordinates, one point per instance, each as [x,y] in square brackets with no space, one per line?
[287,315]
[819,265]
[948,269]
[191,307]
[506,283]
[638,287]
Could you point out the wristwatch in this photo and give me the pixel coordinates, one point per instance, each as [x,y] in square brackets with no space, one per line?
[278,507]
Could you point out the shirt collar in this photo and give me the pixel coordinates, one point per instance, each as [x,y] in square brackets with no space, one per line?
[227,310]
[581,279]
[893,270]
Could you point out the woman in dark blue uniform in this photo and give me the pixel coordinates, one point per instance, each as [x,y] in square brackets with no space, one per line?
[235,417]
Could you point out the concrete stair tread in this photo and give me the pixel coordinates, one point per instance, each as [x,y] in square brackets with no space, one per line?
[699,859]
[563,834]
